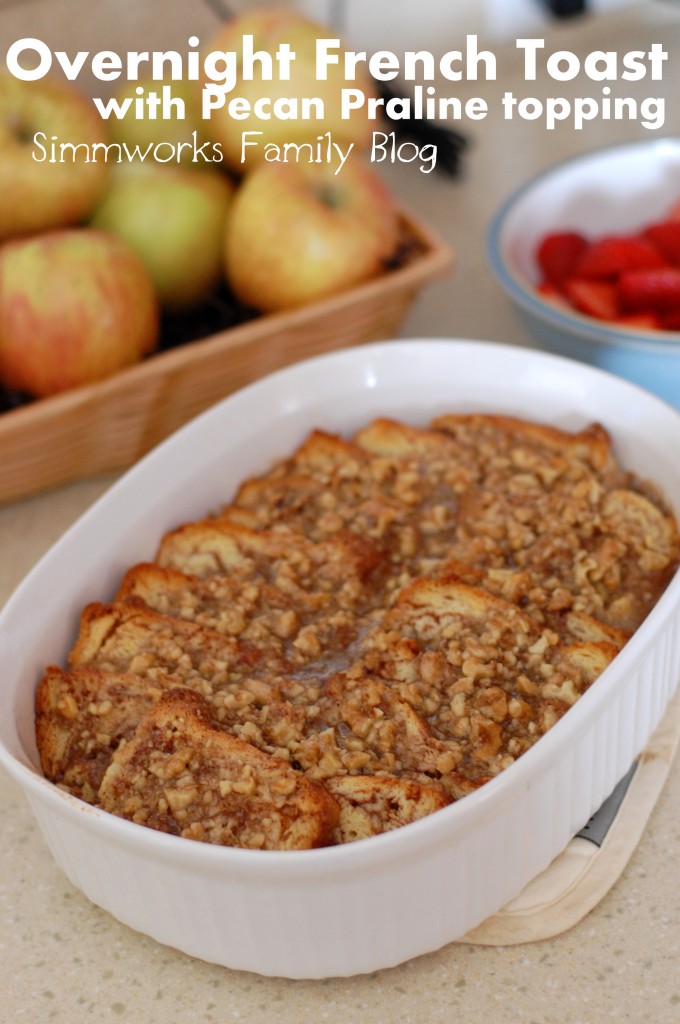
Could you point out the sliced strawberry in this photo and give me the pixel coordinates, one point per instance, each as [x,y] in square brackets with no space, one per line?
[551,293]
[640,321]
[650,290]
[558,254]
[670,321]
[665,236]
[611,255]
[596,298]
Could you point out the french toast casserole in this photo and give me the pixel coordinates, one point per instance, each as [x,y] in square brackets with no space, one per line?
[372,629]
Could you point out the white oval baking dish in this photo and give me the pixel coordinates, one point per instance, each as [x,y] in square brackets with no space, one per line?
[375,903]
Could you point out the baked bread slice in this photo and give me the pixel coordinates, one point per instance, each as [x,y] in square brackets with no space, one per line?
[180,773]
[554,610]
[340,565]
[280,617]
[247,687]
[637,555]
[486,678]
[320,454]
[359,725]
[129,637]
[491,436]
[327,487]
[372,804]
[81,717]
[550,509]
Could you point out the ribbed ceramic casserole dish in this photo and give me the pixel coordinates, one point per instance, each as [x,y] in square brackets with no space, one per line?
[380,901]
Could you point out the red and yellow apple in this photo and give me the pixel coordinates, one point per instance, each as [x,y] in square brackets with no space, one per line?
[297,233]
[271,27]
[76,305]
[174,219]
[38,193]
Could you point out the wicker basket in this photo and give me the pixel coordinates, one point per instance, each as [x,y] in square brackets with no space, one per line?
[107,426]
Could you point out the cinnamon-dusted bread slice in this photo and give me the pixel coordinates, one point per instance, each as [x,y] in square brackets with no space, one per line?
[206,547]
[648,527]
[637,556]
[372,804]
[453,616]
[557,507]
[426,473]
[328,486]
[298,625]
[344,564]
[579,627]
[359,725]
[426,461]
[246,686]
[320,461]
[224,603]
[398,489]
[81,717]
[180,773]
[458,452]
[393,439]
[492,436]
[322,454]
[543,506]
[606,554]
[126,637]
[485,677]
[554,610]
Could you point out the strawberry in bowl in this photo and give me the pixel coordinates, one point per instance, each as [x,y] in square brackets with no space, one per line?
[629,279]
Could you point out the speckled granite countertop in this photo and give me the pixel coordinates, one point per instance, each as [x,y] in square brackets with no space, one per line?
[62,959]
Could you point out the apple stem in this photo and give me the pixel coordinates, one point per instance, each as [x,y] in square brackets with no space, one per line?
[222,10]
[19,129]
[329,196]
